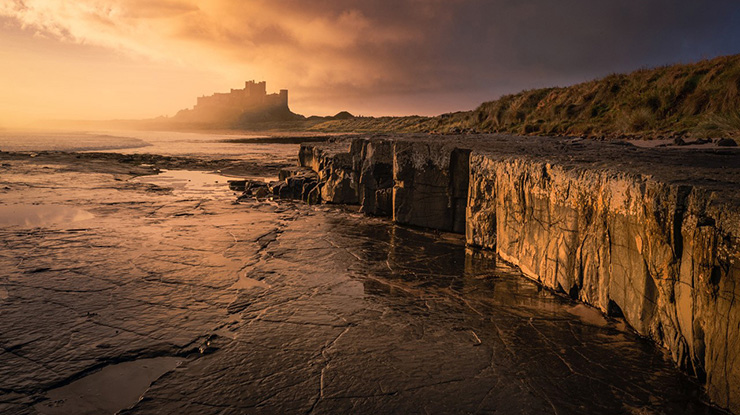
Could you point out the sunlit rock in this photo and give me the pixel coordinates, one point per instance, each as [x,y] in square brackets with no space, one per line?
[630,231]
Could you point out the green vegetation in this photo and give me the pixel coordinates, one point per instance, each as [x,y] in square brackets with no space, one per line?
[699,100]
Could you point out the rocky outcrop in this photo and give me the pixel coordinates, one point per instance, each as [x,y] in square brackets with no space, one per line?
[418,183]
[376,176]
[648,235]
[430,185]
[336,173]
[664,256]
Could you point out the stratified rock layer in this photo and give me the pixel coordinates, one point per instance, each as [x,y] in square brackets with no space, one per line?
[376,176]
[661,254]
[650,234]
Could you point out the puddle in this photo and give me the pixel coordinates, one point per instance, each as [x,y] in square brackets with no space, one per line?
[41,215]
[588,315]
[193,183]
[245,283]
[108,391]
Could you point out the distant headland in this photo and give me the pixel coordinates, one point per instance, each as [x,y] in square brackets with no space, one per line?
[249,108]
[684,102]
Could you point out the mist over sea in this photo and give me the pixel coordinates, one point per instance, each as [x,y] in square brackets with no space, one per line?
[66,141]
[202,145]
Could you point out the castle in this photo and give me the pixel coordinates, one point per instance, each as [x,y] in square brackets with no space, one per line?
[254,95]
[238,104]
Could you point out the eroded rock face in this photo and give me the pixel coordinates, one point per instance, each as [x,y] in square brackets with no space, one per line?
[339,180]
[660,254]
[417,182]
[376,176]
[430,185]
[333,162]
[661,250]
[421,179]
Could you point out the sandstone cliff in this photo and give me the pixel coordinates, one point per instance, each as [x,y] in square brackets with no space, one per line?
[652,235]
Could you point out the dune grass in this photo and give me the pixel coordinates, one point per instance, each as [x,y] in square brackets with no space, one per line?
[700,100]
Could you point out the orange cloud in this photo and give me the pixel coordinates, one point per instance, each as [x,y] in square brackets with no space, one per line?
[371,56]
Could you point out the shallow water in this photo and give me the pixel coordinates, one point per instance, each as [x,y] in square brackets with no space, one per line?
[28,215]
[57,141]
[198,184]
[183,144]
[279,307]
[208,145]
[108,390]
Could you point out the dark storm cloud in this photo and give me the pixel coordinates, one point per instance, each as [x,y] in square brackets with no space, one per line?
[479,44]
[482,49]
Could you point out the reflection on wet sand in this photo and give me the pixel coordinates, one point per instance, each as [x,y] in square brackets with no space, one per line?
[198,184]
[27,215]
[538,351]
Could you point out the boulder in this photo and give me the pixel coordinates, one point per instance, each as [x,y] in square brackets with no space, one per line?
[237,185]
[726,142]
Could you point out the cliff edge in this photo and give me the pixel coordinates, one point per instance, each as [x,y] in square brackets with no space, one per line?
[650,235]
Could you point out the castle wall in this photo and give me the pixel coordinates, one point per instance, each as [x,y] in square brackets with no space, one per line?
[255,89]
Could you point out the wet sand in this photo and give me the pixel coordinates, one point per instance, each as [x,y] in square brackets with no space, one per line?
[278,307]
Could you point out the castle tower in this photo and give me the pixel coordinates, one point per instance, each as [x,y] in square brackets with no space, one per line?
[255,89]
[284,98]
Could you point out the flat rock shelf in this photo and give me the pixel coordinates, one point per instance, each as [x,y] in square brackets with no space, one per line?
[200,304]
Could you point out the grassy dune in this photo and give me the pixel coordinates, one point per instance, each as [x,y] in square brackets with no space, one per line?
[700,100]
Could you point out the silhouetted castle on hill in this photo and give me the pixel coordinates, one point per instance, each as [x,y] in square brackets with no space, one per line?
[254,95]
[239,105]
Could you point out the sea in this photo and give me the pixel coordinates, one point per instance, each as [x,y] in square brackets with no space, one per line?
[205,145]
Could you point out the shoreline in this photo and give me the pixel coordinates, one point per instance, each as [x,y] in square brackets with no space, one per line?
[146,164]
[441,159]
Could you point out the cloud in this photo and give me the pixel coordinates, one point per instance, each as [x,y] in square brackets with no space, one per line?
[402,48]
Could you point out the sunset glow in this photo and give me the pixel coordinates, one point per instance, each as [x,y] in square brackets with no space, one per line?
[369,207]
[102,59]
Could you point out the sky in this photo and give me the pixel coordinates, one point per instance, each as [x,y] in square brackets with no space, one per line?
[116,59]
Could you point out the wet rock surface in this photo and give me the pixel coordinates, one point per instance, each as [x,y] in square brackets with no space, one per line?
[652,234]
[376,177]
[282,308]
